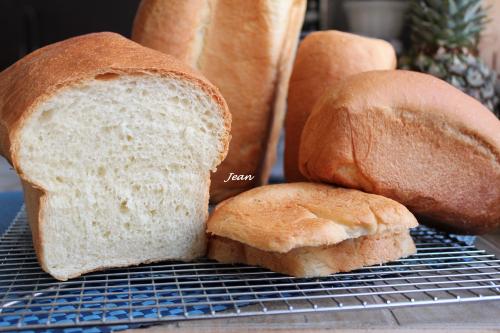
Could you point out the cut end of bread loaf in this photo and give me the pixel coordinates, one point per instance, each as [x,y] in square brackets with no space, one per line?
[123,162]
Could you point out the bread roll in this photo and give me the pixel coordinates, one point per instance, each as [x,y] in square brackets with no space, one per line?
[246,49]
[308,229]
[413,138]
[323,60]
[114,144]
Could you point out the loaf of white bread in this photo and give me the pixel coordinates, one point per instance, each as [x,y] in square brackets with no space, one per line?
[114,144]
[324,59]
[413,138]
[308,229]
[245,48]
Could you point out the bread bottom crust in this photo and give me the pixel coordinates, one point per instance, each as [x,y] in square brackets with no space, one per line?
[317,261]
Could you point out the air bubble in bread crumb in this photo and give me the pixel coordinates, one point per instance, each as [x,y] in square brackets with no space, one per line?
[124,206]
[46,115]
[101,171]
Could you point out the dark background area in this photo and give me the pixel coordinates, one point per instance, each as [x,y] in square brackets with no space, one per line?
[29,24]
[26,25]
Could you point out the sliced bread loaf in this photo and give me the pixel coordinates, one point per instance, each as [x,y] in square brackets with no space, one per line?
[114,144]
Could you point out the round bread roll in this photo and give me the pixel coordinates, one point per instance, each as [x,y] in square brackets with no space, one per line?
[413,138]
[323,60]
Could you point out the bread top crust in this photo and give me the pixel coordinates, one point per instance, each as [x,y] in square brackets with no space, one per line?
[324,59]
[282,217]
[338,54]
[411,137]
[104,56]
[418,93]
[157,25]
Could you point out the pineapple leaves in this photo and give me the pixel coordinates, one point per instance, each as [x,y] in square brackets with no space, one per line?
[446,23]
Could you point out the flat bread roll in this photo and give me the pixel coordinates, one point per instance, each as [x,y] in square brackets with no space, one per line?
[309,229]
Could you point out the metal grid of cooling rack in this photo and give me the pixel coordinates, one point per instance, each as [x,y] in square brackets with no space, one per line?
[445,270]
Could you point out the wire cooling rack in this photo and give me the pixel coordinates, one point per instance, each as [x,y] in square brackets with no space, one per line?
[445,270]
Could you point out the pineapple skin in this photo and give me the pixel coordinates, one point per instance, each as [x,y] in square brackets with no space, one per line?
[444,38]
[462,70]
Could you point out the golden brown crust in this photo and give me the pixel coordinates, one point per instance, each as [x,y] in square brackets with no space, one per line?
[413,138]
[317,261]
[236,45]
[158,25]
[40,74]
[282,217]
[323,60]
[35,201]
[280,102]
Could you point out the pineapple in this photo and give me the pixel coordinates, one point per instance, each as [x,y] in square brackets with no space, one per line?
[444,39]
